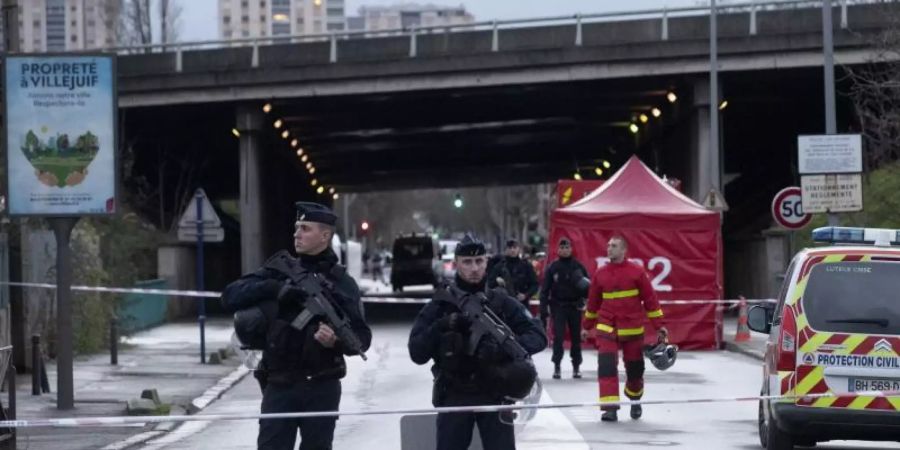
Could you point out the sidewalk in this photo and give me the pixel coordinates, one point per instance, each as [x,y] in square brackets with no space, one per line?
[165,358]
[754,348]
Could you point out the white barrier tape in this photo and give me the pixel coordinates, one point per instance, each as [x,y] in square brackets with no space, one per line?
[120,420]
[202,294]
[367,299]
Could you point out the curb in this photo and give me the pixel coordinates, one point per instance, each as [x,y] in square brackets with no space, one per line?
[743,350]
[197,405]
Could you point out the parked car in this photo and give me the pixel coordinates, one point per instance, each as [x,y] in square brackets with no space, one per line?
[416,261]
[834,335]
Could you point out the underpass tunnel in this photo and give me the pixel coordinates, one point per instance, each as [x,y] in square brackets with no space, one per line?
[255,158]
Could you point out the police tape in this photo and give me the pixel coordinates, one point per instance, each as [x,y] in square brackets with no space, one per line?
[371,298]
[126,420]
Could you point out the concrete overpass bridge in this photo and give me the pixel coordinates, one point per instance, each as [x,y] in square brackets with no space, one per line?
[490,103]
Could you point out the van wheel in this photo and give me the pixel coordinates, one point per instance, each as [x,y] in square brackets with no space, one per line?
[770,436]
[777,439]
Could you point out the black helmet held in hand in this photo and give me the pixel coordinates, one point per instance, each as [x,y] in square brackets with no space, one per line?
[512,379]
[251,325]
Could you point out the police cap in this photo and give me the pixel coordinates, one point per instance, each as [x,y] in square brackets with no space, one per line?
[315,212]
[470,246]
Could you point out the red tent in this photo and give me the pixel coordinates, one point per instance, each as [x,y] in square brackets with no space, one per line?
[677,240]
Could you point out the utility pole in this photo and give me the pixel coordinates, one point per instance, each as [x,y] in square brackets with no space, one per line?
[715,164]
[830,108]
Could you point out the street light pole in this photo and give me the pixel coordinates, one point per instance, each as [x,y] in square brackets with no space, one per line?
[715,165]
[830,108]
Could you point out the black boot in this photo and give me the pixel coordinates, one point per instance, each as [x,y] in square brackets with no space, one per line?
[636,411]
[575,372]
[556,374]
[610,415]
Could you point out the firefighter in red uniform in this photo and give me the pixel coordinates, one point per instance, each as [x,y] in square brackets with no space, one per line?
[620,298]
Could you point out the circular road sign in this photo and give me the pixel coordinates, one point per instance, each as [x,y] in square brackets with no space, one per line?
[787,208]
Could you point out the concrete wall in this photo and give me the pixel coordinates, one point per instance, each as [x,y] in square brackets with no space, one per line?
[755,267]
[5,324]
[175,264]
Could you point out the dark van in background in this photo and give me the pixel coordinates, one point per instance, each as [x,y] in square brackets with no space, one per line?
[417,260]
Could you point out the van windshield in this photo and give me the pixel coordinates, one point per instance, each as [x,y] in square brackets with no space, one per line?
[854,297]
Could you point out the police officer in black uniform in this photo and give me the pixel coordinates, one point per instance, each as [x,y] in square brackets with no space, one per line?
[562,297]
[301,368]
[441,333]
[514,274]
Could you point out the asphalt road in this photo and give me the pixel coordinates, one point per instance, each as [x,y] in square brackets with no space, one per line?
[390,381]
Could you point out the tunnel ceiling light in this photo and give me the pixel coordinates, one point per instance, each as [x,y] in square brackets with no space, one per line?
[671,97]
[278,123]
[633,128]
[267,108]
[295,143]
[643,118]
[235,132]
[606,164]
[335,196]
[577,176]
[304,158]
[331,190]
[723,105]
[312,170]
[299,152]
[285,134]
[320,190]
[599,171]
[656,112]
[313,182]
[309,165]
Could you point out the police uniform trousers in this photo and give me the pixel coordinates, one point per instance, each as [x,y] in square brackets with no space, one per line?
[454,430]
[564,316]
[608,373]
[304,396]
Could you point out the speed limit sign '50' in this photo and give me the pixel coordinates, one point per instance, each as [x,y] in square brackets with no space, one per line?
[787,208]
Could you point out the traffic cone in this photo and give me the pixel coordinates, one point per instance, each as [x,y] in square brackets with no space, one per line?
[743,331]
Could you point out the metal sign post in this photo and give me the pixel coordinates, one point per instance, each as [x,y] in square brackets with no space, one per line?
[199,224]
[65,391]
[201,318]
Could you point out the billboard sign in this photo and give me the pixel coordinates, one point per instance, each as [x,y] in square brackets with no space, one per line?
[60,134]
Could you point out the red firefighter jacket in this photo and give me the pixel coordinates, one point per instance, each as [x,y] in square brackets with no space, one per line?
[619,298]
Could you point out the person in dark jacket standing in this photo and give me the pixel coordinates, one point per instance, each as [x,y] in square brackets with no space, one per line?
[462,377]
[514,274]
[562,298]
[301,368]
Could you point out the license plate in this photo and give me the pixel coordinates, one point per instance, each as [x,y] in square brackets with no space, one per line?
[873,384]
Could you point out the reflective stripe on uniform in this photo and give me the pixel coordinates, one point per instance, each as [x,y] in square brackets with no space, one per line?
[629,392]
[609,399]
[654,314]
[605,328]
[631,331]
[620,294]
[590,315]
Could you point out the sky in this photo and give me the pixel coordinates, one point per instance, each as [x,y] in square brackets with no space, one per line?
[199,19]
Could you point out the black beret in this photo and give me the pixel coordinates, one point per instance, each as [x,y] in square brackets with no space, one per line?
[565,241]
[470,246]
[511,242]
[315,212]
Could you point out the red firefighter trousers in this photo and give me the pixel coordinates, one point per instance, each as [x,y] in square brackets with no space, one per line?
[608,373]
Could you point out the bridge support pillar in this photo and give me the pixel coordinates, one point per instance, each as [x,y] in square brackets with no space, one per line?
[705,167]
[249,124]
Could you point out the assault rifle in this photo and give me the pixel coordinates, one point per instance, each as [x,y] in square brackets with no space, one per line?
[316,303]
[484,321]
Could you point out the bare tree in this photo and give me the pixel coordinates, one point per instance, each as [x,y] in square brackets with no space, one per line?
[169,20]
[875,92]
